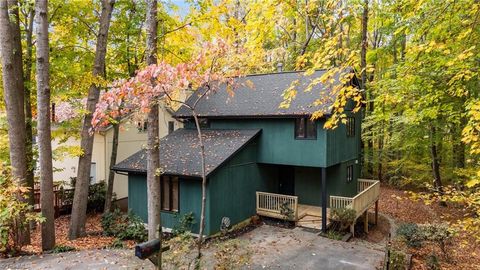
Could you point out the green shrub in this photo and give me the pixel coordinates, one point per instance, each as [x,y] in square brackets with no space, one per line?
[286,211]
[432,262]
[124,226]
[331,234]
[343,216]
[15,213]
[184,223]
[438,233]
[397,260]
[411,234]
[62,248]
[96,195]
[117,243]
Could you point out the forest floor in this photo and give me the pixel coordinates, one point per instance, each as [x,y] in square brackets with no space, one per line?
[94,239]
[397,207]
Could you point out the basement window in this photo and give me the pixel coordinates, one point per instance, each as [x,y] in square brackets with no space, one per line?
[169,196]
[305,129]
[350,126]
[349,173]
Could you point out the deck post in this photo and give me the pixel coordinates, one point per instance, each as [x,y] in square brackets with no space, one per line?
[324,199]
[365,222]
[376,212]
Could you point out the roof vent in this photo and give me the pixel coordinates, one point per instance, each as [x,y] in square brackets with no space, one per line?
[280,67]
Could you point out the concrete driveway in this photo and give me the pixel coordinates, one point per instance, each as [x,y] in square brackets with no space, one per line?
[279,248]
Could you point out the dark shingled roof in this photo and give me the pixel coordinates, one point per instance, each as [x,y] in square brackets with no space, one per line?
[264,98]
[180,151]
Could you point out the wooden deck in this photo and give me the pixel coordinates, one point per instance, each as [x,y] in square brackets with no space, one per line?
[274,205]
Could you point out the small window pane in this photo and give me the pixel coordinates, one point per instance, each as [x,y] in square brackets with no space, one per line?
[300,128]
[350,127]
[165,193]
[349,173]
[174,194]
[171,126]
[311,129]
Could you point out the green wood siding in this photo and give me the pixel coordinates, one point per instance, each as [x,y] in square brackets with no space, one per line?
[190,198]
[308,183]
[342,148]
[277,143]
[232,188]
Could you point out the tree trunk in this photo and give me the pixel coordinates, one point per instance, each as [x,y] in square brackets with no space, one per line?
[11,56]
[44,131]
[153,151]
[363,66]
[79,208]
[28,106]
[435,159]
[204,185]
[111,173]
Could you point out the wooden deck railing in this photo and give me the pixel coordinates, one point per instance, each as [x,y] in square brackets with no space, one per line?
[369,192]
[270,205]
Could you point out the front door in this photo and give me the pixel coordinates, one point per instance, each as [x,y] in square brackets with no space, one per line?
[286,180]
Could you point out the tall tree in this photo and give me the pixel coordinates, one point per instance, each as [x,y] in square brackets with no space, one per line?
[111,172]
[44,129]
[153,151]
[11,55]
[29,13]
[79,208]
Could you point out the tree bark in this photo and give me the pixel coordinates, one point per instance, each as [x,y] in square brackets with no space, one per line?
[204,185]
[153,151]
[44,130]
[363,66]
[79,208]
[11,56]
[435,159]
[111,173]
[28,105]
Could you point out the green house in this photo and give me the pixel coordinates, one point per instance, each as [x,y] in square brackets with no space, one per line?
[260,159]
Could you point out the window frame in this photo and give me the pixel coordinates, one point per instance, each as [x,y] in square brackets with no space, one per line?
[350,126]
[171,207]
[350,173]
[306,121]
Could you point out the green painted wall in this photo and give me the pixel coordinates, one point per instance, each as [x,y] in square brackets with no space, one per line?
[232,188]
[342,148]
[190,198]
[308,184]
[277,144]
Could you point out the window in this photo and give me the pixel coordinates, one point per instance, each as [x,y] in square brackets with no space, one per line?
[349,173]
[204,123]
[93,172]
[171,126]
[305,128]
[169,200]
[350,126]
[142,126]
